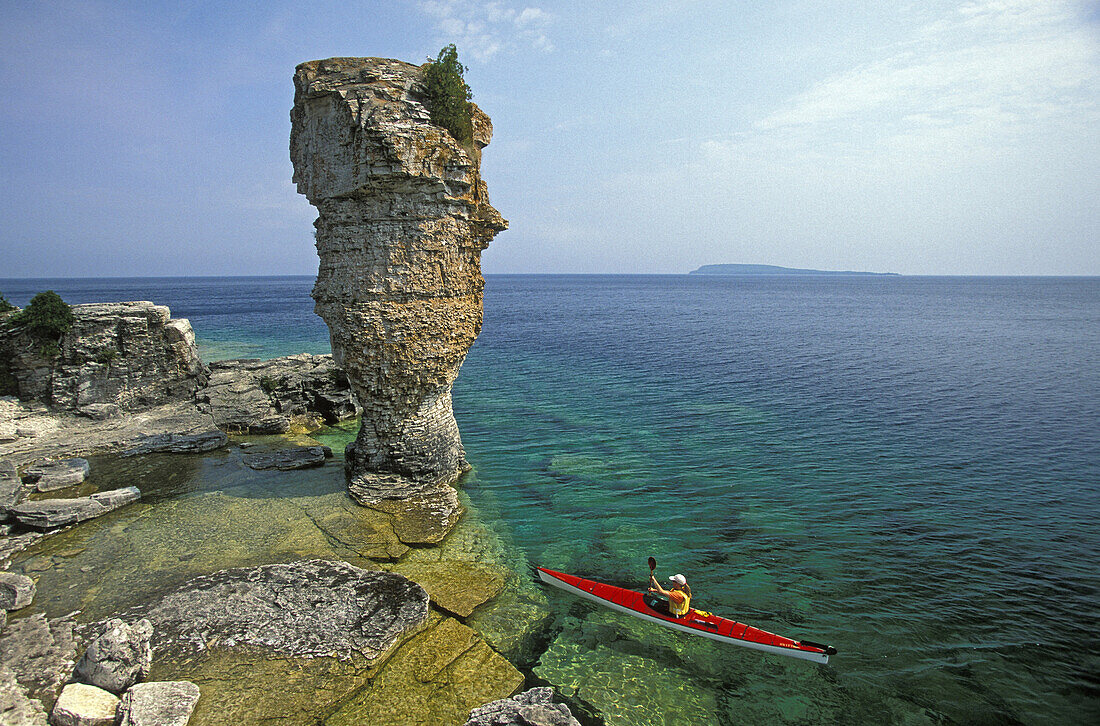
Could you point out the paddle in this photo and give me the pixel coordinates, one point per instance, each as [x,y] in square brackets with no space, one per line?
[652,566]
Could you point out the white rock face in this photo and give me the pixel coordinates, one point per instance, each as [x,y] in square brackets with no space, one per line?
[132,355]
[84,705]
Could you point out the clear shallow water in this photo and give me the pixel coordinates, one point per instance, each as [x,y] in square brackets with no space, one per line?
[907,468]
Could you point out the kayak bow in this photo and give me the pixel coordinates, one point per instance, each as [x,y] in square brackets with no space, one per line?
[715,627]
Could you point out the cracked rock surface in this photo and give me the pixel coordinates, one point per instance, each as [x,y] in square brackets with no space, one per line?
[307,608]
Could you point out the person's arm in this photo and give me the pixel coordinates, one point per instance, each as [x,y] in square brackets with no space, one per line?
[656,587]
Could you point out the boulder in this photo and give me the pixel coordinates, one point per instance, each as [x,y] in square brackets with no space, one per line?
[310,608]
[160,703]
[276,396]
[50,513]
[41,654]
[178,443]
[16,708]
[84,705]
[530,708]
[57,474]
[16,591]
[118,658]
[299,457]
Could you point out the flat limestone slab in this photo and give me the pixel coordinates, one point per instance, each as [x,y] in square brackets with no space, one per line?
[456,586]
[54,475]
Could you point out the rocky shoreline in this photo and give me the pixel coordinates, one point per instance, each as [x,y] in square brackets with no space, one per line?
[296,602]
[42,446]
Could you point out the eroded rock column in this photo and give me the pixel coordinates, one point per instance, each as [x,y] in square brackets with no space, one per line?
[403,218]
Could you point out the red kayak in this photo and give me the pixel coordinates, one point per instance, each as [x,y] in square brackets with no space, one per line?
[655,610]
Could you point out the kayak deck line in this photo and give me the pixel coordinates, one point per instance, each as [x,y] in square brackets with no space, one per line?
[708,625]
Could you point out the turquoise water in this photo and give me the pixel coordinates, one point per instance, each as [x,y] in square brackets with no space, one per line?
[906,468]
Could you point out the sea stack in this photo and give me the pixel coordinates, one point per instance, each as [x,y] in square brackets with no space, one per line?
[403,216]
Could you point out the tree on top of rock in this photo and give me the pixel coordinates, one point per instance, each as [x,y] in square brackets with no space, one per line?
[448,96]
[47,316]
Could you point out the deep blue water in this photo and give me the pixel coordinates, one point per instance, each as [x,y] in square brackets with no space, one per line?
[906,467]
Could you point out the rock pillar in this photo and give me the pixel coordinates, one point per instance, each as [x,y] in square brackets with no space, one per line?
[403,218]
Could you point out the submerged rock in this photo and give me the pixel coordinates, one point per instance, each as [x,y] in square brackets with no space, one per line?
[171,443]
[308,608]
[530,708]
[276,396]
[118,658]
[437,677]
[299,457]
[424,518]
[160,703]
[84,705]
[455,586]
[57,474]
[16,591]
[403,218]
[50,513]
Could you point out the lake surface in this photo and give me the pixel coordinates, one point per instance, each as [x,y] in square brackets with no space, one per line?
[907,468]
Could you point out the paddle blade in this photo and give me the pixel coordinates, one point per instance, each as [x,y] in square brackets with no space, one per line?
[652,564]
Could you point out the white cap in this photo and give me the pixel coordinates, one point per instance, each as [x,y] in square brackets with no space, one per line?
[678,579]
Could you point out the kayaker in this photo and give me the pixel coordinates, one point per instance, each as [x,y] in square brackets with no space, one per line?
[679,595]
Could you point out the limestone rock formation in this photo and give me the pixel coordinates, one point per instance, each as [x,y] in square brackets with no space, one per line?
[16,591]
[132,355]
[299,457]
[403,218]
[279,395]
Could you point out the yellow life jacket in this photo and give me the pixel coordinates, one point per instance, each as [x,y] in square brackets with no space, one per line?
[683,607]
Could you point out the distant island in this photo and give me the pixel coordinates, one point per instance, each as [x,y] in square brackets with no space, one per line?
[773,270]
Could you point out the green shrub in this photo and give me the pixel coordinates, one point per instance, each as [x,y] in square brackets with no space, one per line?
[5,306]
[46,316]
[106,355]
[447,95]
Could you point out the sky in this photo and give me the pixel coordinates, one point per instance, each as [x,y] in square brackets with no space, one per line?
[932,137]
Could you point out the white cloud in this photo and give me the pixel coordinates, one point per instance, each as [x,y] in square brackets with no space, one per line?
[1000,67]
[483,29]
